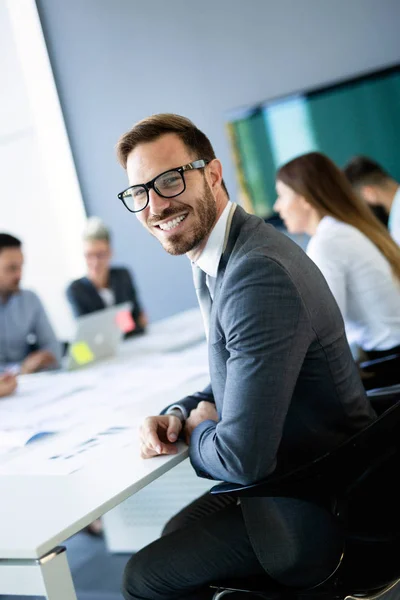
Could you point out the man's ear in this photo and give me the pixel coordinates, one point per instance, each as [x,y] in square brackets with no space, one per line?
[215,174]
[369,194]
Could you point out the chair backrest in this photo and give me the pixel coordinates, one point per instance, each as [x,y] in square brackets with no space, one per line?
[369,511]
[361,474]
[363,454]
[381,372]
[383,398]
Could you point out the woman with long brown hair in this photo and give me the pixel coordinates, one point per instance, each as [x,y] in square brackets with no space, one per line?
[354,251]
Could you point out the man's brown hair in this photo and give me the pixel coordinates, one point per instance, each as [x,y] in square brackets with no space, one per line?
[153,127]
[361,170]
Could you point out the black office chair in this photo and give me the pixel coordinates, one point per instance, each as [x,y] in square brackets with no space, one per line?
[362,475]
[380,372]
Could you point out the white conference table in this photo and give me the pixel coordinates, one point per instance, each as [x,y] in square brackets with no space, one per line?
[39,511]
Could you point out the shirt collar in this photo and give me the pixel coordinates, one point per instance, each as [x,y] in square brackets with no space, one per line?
[208,260]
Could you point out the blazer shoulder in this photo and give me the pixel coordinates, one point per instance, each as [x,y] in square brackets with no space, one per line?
[120,272]
[77,285]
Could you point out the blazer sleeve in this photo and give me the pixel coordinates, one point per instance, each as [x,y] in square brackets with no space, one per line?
[76,299]
[266,333]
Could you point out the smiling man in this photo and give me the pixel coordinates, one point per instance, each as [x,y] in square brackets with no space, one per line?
[284,387]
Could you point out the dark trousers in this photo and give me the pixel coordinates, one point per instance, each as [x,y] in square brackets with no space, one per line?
[206,541]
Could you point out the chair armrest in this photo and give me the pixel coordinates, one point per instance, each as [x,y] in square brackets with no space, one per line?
[386,362]
[302,482]
[383,398]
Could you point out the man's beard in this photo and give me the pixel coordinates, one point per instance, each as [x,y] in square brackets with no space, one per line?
[205,217]
[6,292]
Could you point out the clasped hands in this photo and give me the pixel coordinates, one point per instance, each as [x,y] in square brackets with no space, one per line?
[159,434]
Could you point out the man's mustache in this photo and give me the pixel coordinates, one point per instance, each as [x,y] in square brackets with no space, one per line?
[166,214]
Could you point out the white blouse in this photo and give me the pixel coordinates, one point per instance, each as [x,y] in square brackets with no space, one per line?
[108,296]
[394,218]
[362,283]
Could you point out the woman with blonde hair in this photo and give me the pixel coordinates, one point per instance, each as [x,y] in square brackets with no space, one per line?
[103,285]
[354,251]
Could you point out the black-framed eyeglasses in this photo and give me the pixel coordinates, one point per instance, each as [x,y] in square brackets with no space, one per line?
[168,184]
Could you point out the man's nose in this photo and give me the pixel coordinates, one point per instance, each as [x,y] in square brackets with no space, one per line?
[157,204]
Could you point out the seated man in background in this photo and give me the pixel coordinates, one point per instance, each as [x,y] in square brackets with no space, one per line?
[26,336]
[8,384]
[103,286]
[377,188]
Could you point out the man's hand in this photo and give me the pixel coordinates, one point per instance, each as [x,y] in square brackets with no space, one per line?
[143,320]
[8,384]
[158,435]
[203,412]
[36,361]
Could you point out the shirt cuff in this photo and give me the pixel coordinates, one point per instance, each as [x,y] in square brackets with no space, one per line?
[174,410]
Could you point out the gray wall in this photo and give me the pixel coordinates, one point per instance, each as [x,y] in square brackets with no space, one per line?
[116,61]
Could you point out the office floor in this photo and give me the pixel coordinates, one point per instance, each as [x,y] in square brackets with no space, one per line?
[97,574]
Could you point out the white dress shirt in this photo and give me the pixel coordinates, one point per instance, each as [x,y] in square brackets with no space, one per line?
[394,218]
[362,283]
[208,260]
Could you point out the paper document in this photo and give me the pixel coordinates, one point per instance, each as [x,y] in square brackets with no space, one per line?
[68,453]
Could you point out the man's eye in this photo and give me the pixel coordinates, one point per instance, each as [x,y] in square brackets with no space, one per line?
[138,193]
[169,180]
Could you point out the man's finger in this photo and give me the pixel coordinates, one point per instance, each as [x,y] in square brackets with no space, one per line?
[146,452]
[174,429]
[150,435]
[169,449]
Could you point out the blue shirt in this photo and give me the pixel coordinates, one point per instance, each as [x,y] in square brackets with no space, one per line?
[24,323]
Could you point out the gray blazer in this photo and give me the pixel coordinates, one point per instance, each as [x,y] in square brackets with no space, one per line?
[286,390]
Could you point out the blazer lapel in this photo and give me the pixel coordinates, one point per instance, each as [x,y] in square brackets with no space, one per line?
[238,219]
[95,298]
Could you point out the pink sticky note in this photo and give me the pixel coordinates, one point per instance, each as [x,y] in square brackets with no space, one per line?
[125,321]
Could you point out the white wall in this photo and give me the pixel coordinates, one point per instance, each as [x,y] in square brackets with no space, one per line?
[40,200]
[116,61]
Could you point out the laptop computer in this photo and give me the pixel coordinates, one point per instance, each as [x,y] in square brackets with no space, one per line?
[97,336]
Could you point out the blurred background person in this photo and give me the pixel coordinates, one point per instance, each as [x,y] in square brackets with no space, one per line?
[377,188]
[354,251]
[8,384]
[27,339]
[103,286]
